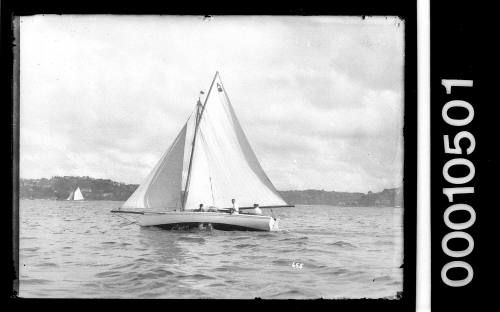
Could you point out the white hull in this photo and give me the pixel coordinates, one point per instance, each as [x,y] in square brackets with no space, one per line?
[75,199]
[218,220]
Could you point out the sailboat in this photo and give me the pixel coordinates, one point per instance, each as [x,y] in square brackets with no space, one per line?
[76,195]
[210,163]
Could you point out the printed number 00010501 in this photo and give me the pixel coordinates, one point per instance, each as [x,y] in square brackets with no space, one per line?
[454,148]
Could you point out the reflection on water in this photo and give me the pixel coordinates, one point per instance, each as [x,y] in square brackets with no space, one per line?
[80,249]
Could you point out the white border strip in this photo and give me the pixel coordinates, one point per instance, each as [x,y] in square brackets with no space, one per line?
[423,278]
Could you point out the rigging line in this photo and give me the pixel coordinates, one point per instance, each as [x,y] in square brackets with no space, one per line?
[204,141]
[186,189]
[262,172]
[191,158]
[213,199]
[182,193]
[236,122]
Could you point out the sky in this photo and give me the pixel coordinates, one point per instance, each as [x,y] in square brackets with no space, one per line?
[321,99]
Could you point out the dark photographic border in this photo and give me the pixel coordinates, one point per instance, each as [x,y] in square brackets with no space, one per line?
[458,43]
[406,10]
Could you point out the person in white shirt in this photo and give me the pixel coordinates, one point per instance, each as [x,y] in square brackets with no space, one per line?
[236,208]
[256,209]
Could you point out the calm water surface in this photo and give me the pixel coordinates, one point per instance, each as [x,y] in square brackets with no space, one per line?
[80,249]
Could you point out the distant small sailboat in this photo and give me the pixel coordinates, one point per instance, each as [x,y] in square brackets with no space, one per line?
[210,162]
[76,195]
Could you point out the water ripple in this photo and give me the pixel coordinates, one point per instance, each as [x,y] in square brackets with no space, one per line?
[343,244]
[81,250]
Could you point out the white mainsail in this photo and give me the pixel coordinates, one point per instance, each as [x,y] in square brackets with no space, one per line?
[78,194]
[222,166]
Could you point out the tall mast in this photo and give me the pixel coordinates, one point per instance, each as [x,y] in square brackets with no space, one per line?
[199,114]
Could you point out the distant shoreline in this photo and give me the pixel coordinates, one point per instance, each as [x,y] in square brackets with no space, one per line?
[63,200]
[59,188]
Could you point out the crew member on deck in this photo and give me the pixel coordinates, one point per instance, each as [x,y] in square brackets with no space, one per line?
[236,208]
[202,208]
[256,209]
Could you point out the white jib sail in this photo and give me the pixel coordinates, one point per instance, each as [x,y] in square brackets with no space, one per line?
[161,190]
[70,197]
[224,165]
[78,194]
